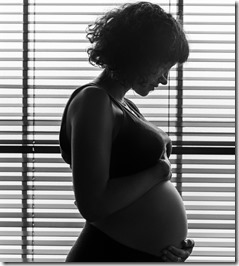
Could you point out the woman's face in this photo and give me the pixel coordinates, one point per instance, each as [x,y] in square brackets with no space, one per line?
[158,76]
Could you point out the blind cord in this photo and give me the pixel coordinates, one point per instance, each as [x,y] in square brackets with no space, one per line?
[33,132]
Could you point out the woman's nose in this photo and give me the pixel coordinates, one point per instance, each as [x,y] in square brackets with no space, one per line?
[164,79]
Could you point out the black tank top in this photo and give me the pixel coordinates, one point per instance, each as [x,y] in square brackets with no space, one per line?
[138,145]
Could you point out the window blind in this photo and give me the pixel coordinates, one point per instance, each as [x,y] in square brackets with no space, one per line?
[43,59]
[208,186]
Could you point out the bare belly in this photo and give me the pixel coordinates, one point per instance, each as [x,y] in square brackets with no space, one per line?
[152,223]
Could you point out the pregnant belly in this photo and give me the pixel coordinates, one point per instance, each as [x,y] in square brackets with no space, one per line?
[152,223]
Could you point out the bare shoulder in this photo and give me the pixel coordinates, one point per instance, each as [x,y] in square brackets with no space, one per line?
[90,99]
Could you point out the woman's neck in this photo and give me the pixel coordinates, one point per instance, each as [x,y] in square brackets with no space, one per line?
[114,87]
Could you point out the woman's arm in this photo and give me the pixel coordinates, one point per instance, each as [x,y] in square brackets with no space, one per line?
[97,196]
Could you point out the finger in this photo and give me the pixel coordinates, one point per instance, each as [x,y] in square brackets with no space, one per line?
[178,252]
[188,246]
[164,258]
[188,243]
[171,256]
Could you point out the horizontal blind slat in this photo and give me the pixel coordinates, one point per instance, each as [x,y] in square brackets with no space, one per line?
[77,216]
[172,160]
[220,253]
[210,235]
[209,198]
[58,243]
[209,207]
[38,206]
[44,224]
[210,226]
[71,87]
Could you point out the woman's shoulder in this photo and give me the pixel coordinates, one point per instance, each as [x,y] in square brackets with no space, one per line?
[91,91]
[90,96]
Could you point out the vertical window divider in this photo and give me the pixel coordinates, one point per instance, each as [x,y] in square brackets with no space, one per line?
[169,87]
[33,128]
[179,105]
[25,131]
[236,121]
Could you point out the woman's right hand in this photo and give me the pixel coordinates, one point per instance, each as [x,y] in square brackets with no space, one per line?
[173,254]
[163,168]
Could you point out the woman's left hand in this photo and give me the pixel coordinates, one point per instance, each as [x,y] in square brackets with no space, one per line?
[173,254]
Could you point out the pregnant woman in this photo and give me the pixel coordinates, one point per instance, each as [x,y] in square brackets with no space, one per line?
[119,160]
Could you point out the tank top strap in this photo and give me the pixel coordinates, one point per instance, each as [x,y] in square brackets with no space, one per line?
[117,103]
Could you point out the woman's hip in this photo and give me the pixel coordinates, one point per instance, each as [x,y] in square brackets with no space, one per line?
[93,245]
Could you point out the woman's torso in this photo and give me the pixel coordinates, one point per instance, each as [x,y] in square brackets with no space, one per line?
[158,218]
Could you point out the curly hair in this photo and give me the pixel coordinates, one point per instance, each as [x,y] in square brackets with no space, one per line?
[134,38]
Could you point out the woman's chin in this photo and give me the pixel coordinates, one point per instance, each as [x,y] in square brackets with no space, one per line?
[145,91]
